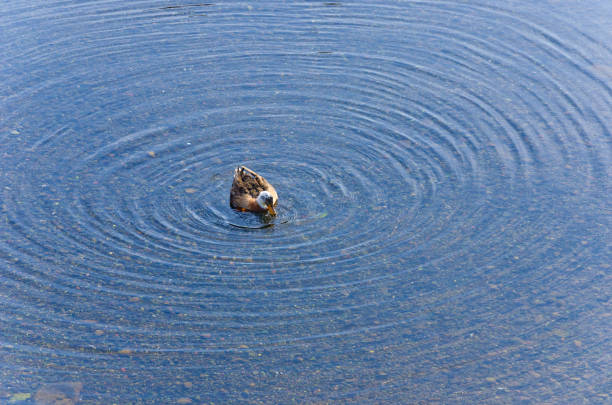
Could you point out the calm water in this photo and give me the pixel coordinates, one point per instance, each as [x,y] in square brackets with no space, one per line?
[444,219]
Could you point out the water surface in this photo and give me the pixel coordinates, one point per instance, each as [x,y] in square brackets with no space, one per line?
[444,219]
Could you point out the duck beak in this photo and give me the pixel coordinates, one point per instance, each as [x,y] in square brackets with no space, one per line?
[271,210]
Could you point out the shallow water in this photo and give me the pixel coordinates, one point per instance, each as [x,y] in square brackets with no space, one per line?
[443,230]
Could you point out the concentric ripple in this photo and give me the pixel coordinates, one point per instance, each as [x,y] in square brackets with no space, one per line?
[443,172]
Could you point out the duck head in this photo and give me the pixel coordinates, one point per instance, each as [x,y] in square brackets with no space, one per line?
[266,202]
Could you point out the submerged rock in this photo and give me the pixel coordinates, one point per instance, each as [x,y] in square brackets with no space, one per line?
[59,394]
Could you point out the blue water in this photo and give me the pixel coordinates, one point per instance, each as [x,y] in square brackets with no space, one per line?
[443,228]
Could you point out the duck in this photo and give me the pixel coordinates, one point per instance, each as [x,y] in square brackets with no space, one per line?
[251,192]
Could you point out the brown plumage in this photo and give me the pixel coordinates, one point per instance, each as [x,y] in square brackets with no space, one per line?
[246,189]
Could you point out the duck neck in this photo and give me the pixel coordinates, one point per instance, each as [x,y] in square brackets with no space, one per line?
[254,206]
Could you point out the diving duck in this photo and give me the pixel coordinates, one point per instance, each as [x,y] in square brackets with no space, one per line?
[251,192]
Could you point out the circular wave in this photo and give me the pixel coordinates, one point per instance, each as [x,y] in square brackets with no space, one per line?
[409,168]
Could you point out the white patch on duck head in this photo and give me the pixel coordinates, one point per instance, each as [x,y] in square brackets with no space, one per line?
[263,198]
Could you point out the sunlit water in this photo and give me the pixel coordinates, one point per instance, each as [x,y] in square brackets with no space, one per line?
[443,230]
